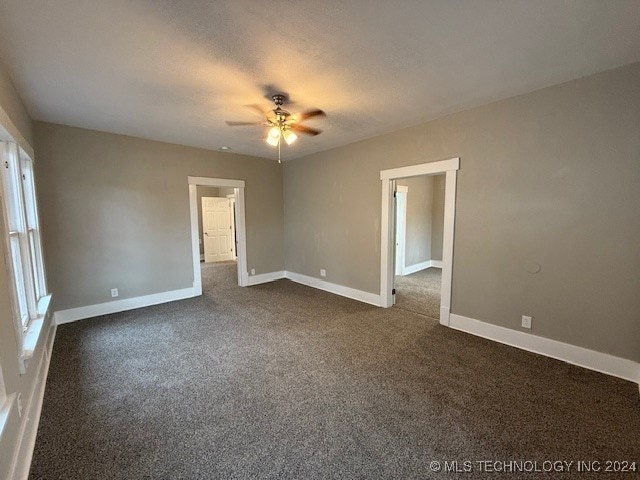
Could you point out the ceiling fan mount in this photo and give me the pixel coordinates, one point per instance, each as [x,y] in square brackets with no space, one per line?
[279,99]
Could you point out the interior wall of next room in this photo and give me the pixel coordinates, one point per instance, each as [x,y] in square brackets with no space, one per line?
[425,218]
[437,217]
[418,227]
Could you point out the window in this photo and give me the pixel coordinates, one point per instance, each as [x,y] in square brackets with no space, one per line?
[23,234]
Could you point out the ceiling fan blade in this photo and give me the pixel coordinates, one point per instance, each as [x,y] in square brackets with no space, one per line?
[242,124]
[302,129]
[309,114]
[262,110]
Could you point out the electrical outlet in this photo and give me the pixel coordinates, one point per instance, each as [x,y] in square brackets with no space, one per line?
[253,271]
[526,321]
[114,292]
[323,272]
[19,401]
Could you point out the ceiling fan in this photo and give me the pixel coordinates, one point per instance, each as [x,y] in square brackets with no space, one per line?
[284,124]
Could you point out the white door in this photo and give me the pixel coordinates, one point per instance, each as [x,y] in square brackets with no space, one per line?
[216,226]
[401,228]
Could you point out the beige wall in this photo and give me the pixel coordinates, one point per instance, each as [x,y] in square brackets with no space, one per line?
[550,177]
[115,212]
[14,116]
[425,218]
[437,217]
[419,215]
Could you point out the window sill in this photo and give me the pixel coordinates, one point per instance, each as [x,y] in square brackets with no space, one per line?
[32,335]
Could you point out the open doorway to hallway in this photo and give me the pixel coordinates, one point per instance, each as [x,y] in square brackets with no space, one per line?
[419,215]
[216,224]
[218,233]
[217,238]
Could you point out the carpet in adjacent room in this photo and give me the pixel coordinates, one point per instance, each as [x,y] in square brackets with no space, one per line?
[419,292]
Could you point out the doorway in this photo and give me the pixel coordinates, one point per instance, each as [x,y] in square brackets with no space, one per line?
[419,220]
[389,179]
[237,242]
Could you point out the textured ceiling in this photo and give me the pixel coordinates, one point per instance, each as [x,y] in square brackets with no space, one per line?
[175,70]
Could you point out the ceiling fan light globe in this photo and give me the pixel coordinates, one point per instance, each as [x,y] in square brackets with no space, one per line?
[273,137]
[289,137]
[273,141]
[274,132]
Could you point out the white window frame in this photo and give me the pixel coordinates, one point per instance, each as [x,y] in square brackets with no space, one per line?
[4,407]
[33,227]
[3,391]
[30,298]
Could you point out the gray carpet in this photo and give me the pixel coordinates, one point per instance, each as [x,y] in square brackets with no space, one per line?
[284,381]
[420,292]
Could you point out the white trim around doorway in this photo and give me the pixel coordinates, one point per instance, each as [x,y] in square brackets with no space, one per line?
[241,233]
[450,169]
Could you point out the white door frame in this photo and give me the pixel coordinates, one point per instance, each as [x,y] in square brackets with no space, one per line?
[232,202]
[448,167]
[241,233]
[402,223]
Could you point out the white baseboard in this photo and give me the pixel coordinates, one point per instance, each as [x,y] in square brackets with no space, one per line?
[583,357]
[408,270]
[366,297]
[81,313]
[444,316]
[31,414]
[265,277]
[421,266]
